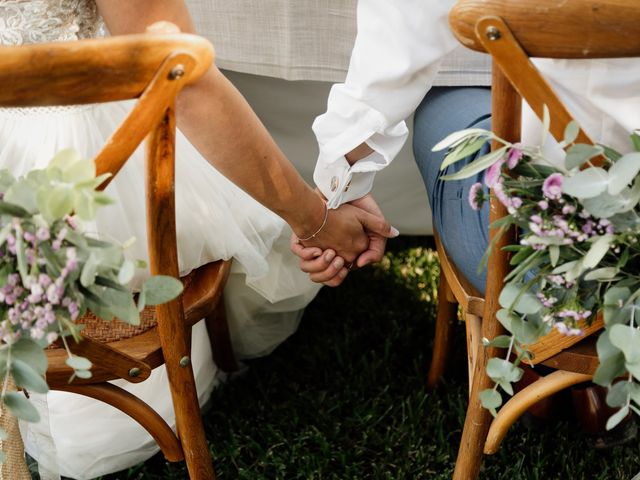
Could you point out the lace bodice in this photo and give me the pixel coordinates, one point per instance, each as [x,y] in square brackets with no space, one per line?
[37,21]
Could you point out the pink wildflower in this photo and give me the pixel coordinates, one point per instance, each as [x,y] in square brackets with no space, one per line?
[552,186]
[514,156]
[476,196]
[492,176]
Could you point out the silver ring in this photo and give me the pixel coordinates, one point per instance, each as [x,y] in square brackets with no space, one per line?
[350,266]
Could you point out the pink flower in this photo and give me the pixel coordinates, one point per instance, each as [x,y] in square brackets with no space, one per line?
[498,190]
[514,156]
[543,204]
[552,186]
[476,196]
[492,177]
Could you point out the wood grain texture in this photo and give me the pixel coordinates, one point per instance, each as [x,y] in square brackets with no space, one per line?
[137,410]
[526,398]
[163,260]
[476,424]
[557,28]
[92,71]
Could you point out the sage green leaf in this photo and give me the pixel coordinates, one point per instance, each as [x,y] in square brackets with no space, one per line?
[609,369]
[571,132]
[580,153]
[477,165]
[126,272]
[22,193]
[463,150]
[506,318]
[611,154]
[627,339]
[20,407]
[12,210]
[554,254]
[31,353]
[82,170]
[55,202]
[501,369]
[616,309]
[619,393]
[586,183]
[597,251]
[78,363]
[635,140]
[84,374]
[454,138]
[61,161]
[617,417]
[26,377]
[160,289]
[501,341]
[606,206]
[490,398]
[84,205]
[623,172]
[89,271]
[546,122]
[516,297]
[602,274]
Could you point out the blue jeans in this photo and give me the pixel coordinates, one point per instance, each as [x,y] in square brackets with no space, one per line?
[463,231]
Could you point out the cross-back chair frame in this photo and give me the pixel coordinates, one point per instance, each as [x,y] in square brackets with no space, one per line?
[512,32]
[152,68]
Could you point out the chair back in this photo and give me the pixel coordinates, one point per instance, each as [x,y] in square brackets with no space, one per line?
[151,68]
[512,32]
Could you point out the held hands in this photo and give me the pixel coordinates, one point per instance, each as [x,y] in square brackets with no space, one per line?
[331,265]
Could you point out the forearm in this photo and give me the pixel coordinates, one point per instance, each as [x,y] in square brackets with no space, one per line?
[239,146]
[221,125]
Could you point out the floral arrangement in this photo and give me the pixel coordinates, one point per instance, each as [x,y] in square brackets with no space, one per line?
[577,254]
[51,272]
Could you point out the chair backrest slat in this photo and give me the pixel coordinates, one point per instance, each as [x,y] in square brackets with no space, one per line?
[580,28]
[92,71]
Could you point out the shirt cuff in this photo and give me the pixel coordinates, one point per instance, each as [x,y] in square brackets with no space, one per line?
[341,183]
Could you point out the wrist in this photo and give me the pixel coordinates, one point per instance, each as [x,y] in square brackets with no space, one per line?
[361,151]
[310,216]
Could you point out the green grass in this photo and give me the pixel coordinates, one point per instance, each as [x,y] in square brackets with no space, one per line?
[344,398]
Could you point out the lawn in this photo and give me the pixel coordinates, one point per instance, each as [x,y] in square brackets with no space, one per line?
[344,398]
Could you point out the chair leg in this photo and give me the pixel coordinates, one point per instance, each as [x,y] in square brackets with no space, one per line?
[476,424]
[473,326]
[218,330]
[446,314]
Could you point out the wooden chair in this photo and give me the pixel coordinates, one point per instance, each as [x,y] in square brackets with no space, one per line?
[512,31]
[152,68]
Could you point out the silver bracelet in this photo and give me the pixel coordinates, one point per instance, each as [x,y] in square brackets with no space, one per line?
[324,222]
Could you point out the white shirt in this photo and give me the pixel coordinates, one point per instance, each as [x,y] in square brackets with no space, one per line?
[398,48]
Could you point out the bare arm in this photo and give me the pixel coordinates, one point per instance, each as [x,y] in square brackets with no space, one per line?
[220,124]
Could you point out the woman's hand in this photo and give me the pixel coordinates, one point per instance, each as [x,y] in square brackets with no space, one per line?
[328,266]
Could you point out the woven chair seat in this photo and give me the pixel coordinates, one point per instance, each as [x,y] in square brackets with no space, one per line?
[110,331]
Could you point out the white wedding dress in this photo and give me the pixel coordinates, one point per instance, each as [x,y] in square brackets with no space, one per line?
[84,438]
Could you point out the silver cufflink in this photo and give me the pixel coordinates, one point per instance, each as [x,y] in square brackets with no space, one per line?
[334,183]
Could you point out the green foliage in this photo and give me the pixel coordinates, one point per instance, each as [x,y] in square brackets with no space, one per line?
[578,251]
[52,271]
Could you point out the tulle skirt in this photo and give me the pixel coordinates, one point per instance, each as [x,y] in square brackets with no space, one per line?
[215,220]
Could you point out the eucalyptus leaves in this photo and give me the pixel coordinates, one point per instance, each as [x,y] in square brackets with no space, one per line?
[578,253]
[51,272]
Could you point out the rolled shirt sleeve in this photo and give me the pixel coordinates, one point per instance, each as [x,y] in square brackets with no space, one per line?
[398,49]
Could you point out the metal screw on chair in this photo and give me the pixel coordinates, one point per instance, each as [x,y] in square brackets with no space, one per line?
[134,372]
[176,72]
[493,33]
[185,361]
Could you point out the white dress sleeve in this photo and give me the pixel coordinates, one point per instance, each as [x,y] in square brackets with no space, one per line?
[398,49]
